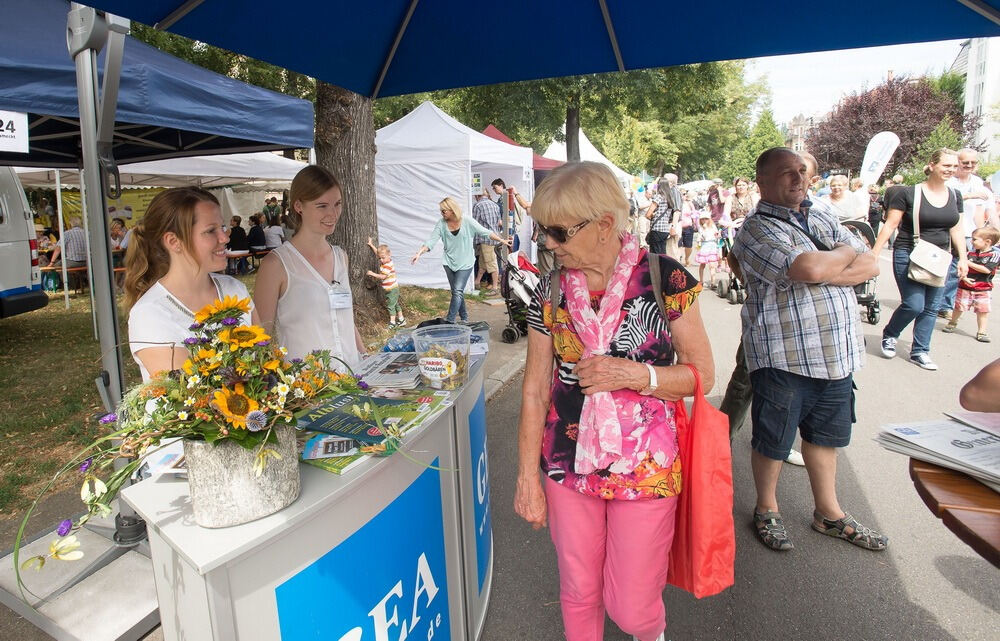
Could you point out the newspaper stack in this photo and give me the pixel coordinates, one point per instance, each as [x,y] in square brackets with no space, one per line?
[950,444]
[390,369]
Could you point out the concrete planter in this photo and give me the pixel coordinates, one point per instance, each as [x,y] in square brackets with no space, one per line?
[224,488]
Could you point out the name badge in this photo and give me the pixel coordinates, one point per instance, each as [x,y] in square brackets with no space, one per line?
[341,299]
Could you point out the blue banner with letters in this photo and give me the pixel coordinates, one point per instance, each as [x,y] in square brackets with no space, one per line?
[386,581]
[481,487]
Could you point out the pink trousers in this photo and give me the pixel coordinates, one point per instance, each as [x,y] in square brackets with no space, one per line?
[612,555]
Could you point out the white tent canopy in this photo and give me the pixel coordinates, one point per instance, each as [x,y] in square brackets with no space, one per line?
[202,171]
[557,151]
[422,158]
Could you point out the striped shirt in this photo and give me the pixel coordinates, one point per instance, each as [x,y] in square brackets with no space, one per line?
[388,270]
[487,213]
[813,330]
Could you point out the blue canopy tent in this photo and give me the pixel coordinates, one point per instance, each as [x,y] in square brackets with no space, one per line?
[405,46]
[166,107]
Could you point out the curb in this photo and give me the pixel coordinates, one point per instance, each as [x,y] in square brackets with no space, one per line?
[495,381]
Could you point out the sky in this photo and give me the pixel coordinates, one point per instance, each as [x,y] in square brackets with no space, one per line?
[812,83]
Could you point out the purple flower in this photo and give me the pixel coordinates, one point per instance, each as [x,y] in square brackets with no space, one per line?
[64,527]
[86,464]
[363,385]
[296,360]
[191,341]
[256,421]
[195,327]
[262,343]
[205,340]
[229,321]
[109,418]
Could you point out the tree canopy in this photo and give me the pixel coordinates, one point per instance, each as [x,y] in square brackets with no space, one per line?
[912,108]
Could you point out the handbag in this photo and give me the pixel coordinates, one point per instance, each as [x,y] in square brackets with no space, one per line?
[929,263]
[704,549]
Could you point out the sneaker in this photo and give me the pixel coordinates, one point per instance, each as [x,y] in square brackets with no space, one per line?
[983,337]
[949,328]
[924,361]
[945,314]
[889,347]
[795,458]
[401,322]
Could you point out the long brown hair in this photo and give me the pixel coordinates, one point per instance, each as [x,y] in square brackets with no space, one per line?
[146,259]
[309,184]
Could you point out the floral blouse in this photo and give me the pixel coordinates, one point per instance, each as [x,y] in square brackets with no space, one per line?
[643,335]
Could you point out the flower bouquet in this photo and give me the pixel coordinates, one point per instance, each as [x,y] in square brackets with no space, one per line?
[236,395]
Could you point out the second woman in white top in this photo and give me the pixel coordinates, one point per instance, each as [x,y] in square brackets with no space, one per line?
[302,293]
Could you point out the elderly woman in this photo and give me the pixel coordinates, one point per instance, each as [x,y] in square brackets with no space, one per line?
[843,202]
[604,373]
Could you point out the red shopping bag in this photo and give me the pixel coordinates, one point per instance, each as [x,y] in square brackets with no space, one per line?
[704,548]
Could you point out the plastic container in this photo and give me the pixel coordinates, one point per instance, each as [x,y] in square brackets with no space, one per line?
[443,355]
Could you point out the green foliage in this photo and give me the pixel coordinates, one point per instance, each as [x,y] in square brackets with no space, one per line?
[942,136]
[952,86]
[764,135]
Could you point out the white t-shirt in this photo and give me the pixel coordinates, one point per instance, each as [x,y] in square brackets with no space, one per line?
[974,206]
[158,318]
[273,236]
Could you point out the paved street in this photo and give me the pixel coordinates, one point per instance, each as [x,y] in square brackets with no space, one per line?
[927,585]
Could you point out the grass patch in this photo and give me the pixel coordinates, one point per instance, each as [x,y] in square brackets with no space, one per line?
[50,406]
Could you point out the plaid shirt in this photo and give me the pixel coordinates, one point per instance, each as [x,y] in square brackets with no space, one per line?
[813,330]
[76,244]
[661,219]
[487,213]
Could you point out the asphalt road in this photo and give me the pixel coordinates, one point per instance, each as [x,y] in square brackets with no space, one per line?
[928,585]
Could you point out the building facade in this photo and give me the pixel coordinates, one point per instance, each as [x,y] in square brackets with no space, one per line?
[979,59]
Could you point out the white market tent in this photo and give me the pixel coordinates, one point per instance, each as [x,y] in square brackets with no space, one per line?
[202,171]
[422,158]
[557,151]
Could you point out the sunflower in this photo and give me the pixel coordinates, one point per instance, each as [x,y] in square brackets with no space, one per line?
[227,304]
[243,336]
[235,405]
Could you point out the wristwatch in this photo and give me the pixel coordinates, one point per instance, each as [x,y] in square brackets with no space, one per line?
[649,389]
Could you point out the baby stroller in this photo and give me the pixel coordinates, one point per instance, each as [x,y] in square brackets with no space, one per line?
[730,287]
[517,285]
[865,292]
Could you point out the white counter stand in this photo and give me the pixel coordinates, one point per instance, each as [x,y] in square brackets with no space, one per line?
[390,550]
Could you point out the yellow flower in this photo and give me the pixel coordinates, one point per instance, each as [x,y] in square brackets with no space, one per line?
[228,303]
[65,549]
[188,367]
[272,365]
[243,336]
[235,405]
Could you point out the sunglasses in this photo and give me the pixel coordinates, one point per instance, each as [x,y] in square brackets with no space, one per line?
[562,234]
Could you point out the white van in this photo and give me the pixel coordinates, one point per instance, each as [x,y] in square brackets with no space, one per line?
[20,279]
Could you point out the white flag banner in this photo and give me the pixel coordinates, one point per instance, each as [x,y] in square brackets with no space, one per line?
[14,132]
[877,155]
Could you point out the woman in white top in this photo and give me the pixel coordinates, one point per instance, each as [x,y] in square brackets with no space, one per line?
[843,202]
[169,267]
[302,291]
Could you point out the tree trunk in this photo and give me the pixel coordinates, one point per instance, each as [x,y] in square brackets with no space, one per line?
[345,144]
[573,129]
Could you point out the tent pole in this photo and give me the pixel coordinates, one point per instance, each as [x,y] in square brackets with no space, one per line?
[983,9]
[62,243]
[90,272]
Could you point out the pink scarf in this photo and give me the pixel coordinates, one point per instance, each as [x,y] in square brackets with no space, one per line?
[599,437]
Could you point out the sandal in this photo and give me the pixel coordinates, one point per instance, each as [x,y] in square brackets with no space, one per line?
[949,328]
[849,529]
[771,531]
[983,337]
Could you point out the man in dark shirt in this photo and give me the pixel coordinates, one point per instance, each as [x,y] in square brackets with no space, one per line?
[238,242]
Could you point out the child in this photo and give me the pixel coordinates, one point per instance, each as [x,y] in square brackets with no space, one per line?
[387,274]
[708,248]
[974,289]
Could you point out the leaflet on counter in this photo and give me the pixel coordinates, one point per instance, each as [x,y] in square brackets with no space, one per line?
[390,369]
[949,444]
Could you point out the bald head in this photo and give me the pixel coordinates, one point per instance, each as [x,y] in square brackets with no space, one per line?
[968,162]
[782,176]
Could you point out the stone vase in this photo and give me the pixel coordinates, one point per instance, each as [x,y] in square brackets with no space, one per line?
[226,491]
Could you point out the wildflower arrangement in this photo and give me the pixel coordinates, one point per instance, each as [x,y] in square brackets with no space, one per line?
[237,385]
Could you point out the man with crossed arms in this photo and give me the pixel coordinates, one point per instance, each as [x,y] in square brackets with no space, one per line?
[803,342]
